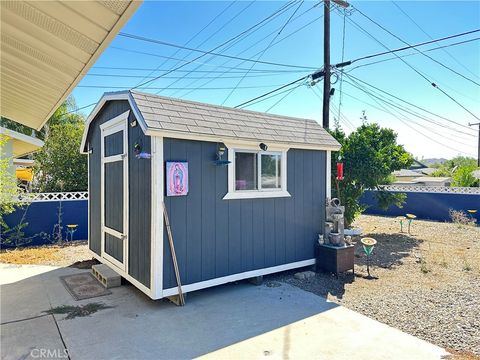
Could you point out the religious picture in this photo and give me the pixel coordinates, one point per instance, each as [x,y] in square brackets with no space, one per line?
[177,178]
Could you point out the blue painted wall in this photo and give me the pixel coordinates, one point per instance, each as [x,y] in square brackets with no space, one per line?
[43,215]
[430,206]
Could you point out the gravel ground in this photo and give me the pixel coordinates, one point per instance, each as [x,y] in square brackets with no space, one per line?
[426,284]
[59,255]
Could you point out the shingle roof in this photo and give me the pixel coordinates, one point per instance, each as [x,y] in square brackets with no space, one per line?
[194,118]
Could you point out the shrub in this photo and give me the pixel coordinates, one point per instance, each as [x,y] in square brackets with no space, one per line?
[461,218]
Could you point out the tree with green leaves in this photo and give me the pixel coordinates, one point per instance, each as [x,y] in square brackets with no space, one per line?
[59,166]
[8,182]
[370,155]
[460,169]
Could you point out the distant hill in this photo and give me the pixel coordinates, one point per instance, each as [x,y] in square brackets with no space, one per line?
[430,162]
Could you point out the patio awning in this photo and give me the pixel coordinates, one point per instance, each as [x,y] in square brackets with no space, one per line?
[46,49]
[21,144]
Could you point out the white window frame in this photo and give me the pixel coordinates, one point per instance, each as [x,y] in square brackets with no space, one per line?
[259,193]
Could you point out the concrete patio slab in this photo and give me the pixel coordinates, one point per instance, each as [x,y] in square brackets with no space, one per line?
[30,339]
[238,321]
[339,334]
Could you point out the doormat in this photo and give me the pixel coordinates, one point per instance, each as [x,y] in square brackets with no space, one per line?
[83,286]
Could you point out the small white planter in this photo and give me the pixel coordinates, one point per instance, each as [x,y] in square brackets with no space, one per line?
[353,232]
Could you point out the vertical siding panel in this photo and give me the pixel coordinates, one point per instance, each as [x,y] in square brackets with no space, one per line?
[178,214]
[299,218]
[290,209]
[167,255]
[222,239]
[317,219]
[194,212]
[258,235]
[308,193]
[239,235]
[234,237]
[247,235]
[269,231]
[280,231]
[208,210]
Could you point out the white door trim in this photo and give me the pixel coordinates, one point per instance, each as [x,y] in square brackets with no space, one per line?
[156,260]
[112,126]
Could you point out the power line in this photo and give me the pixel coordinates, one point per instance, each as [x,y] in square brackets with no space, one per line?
[78,109]
[404,122]
[273,91]
[256,75]
[391,51]
[343,59]
[237,69]
[260,40]
[383,109]
[208,52]
[178,88]
[141,38]
[412,54]
[257,60]
[406,43]
[269,97]
[186,62]
[409,103]
[280,11]
[427,34]
[196,34]
[415,70]
[282,98]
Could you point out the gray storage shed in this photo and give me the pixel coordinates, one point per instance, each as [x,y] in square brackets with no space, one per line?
[245,191]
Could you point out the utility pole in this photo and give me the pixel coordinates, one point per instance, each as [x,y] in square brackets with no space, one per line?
[478,154]
[326,58]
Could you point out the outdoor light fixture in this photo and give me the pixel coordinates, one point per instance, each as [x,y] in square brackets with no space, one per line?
[220,153]
[263,146]
[332,91]
[133,123]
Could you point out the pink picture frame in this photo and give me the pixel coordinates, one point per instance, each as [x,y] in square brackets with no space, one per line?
[177,178]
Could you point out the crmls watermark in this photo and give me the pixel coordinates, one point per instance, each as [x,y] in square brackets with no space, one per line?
[49,354]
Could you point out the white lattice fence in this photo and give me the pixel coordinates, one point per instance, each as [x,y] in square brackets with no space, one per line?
[54,196]
[432,189]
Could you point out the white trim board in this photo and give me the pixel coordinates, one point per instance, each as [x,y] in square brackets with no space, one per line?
[115,125]
[156,244]
[123,274]
[236,277]
[120,95]
[260,193]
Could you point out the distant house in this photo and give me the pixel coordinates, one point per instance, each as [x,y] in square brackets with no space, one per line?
[419,174]
[405,175]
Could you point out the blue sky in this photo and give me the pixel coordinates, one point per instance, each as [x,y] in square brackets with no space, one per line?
[177,22]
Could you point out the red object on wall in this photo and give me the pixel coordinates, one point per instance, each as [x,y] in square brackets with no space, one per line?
[339,171]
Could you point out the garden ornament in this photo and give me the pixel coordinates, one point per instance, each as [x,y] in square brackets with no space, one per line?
[339,169]
[401,219]
[71,228]
[368,245]
[410,218]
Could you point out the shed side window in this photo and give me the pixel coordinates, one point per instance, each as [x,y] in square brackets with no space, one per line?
[256,174]
[246,171]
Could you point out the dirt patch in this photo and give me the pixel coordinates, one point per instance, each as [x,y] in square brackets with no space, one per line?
[77,311]
[57,255]
[427,283]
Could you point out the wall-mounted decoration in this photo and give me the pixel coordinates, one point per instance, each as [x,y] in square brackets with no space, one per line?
[220,152]
[137,150]
[177,178]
